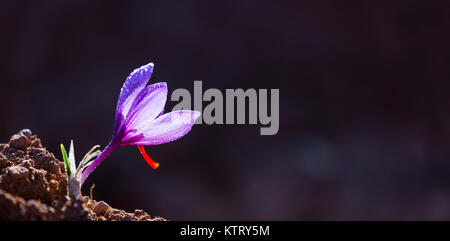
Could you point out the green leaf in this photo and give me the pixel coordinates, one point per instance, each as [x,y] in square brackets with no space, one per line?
[66,160]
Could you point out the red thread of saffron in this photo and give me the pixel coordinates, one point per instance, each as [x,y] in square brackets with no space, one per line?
[152,163]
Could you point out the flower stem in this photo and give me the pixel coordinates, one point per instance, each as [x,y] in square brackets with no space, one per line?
[106,152]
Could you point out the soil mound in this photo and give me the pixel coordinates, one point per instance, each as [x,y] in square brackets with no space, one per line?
[33,186]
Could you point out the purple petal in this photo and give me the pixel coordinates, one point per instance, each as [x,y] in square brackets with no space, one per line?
[166,128]
[147,106]
[133,85]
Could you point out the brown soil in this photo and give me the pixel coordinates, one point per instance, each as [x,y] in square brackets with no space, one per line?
[33,186]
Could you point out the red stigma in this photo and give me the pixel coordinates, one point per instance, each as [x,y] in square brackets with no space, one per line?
[152,163]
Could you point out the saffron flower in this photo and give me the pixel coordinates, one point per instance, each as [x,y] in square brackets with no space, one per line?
[139,121]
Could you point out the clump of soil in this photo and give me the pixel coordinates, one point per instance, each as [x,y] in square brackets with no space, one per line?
[33,186]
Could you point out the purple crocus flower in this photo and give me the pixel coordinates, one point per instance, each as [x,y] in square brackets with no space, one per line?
[139,118]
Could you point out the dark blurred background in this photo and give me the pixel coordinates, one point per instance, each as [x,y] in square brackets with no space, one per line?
[364,104]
